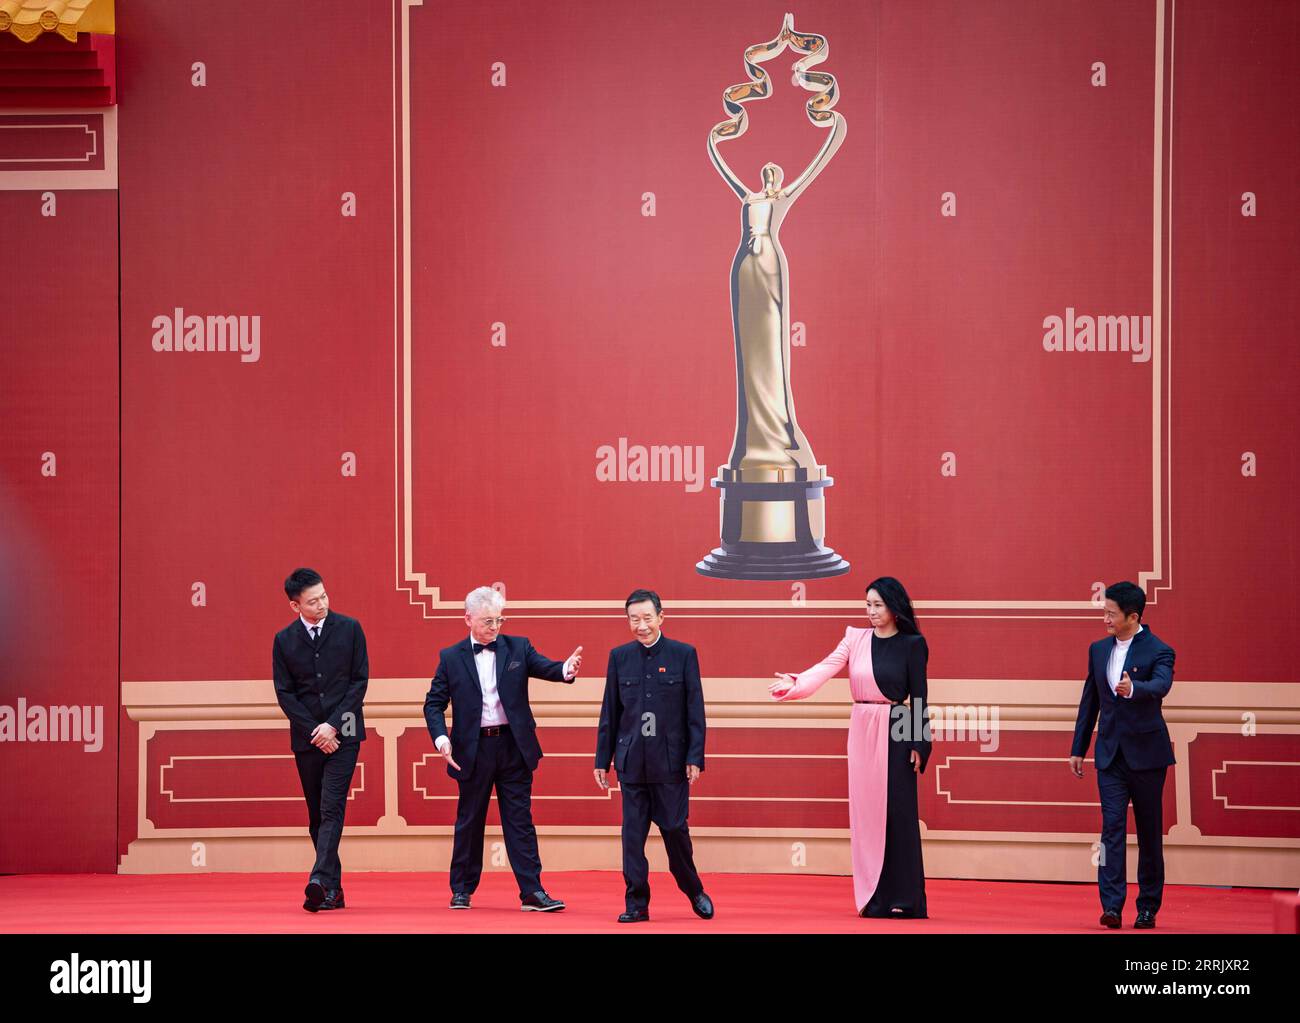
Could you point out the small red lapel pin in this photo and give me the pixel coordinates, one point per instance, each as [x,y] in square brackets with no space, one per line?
[663,669]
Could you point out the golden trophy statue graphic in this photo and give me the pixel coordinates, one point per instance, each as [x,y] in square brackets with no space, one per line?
[773,491]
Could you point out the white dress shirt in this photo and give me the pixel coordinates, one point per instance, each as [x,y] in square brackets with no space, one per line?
[1115,667]
[493,713]
[318,626]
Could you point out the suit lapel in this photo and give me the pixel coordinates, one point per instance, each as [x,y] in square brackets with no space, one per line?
[467,655]
[1108,650]
[1134,646]
[1103,669]
[503,652]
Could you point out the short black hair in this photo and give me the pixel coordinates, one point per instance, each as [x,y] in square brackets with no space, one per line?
[301,579]
[1129,596]
[637,596]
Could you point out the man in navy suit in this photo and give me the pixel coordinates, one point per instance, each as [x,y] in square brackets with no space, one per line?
[1129,674]
[652,728]
[321,671]
[493,743]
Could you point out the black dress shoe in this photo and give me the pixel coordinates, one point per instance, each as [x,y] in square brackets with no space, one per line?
[1145,919]
[460,900]
[315,892]
[635,916]
[540,902]
[333,899]
[703,906]
[1110,918]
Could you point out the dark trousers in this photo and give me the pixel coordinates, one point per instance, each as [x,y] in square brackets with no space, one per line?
[666,804]
[326,778]
[499,764]
[1118,784]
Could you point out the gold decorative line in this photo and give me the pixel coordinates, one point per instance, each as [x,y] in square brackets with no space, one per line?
[416,585]
[94,145]
[415,783]
[1167,577]
[778,756]
[263,683]
[410,575]
[947,762]
[70,178]
[694,799]
[734,756]
[1223,769]
[611,606]
[171,797]
[417,765]
[608,796]
[769,799]
[397,182]
[1161,253]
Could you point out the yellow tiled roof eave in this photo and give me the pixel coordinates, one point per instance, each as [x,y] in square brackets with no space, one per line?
[28,19]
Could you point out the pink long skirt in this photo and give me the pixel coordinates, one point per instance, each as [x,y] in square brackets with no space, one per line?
[868,795]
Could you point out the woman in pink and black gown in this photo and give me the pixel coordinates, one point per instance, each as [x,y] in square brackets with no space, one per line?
[889,745]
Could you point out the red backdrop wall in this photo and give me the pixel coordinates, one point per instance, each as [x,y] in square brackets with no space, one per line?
[923,337]
[59,564]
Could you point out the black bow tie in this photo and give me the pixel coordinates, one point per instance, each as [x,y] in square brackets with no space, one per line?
[479,647]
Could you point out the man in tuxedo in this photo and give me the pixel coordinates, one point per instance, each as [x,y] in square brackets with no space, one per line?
[321,670]
[652,728]
[493,743]
[1129,674]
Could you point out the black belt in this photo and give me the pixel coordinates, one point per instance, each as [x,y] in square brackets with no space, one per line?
[494,730]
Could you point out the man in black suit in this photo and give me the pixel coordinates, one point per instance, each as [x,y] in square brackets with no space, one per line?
[652,727]
[321,670]
[493,743]
[1129,674]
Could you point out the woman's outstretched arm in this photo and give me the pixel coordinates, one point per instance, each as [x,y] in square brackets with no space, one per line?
[808,682]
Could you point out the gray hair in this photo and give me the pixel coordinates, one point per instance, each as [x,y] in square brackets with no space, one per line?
[485,598]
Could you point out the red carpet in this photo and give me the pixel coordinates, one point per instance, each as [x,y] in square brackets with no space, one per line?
[746,903]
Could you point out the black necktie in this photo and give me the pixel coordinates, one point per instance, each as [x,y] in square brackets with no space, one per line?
[315,633]
[479,647]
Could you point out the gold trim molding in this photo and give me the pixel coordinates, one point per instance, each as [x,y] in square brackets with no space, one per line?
[395,704]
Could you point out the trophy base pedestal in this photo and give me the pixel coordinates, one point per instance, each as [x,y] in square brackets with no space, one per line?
[759,565]
[772,529]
